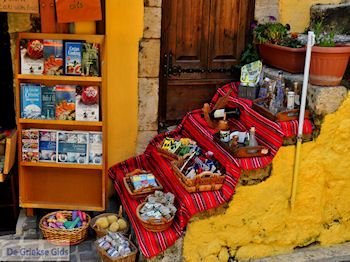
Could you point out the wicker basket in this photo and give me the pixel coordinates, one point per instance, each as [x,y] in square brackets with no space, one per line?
[206,181]
[59,236]
[154,225]
[166,154]
[100,232]
[107,258]
[142,192]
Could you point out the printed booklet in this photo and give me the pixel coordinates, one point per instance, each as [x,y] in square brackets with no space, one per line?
[72,147]
[87,103]
[30,145]
[47,145]
[31,53]
[95,148]
[30,101]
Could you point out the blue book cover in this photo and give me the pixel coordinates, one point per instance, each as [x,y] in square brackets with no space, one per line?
[48,98]
[30,101]
[72,147]
[47,145]
[95,148]
[72,57]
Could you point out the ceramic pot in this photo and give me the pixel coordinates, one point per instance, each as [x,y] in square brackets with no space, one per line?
[328,65]
[282,57]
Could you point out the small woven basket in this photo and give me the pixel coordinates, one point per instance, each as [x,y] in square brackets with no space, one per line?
[100,232]
[59,236]
[107,258]
[154,225]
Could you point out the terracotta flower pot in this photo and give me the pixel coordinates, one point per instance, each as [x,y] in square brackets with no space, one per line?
[282,57]
[328,64]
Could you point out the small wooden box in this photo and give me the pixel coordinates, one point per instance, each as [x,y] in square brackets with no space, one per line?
[10,153]
[279,117]
[242,151]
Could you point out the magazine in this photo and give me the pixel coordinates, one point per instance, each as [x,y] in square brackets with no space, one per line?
[65,102]
[31,53]
[47,145]
[72,147]
[95,148]
[30,145]
[87,103]
[53,57]
[30,101]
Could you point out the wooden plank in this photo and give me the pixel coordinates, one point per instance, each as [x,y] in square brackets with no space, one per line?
[60,165]
[59,122]
[88,79]
[10,151]
[30,212]
[89,38]
[47,16]
[61,206]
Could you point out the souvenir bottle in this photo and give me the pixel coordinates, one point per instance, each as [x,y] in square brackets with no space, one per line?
[280,90]
[297,96]
[230,112]
[252,140]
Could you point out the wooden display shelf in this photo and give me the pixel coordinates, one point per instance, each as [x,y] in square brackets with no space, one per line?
[53,205]
[10,154]
[77,80]
[61,124]
[60,165]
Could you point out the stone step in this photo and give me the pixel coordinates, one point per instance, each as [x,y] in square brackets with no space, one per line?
[334,15]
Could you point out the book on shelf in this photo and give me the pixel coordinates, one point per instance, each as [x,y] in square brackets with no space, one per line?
[47,145]
[65,102]
[72,147]
[53,57]
[30,101]
[87,103]
[72,57]
[95,148]
[48,102]
[30,145]
[31,53]
[90,59]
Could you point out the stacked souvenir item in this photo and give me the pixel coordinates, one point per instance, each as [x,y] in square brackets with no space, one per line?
[115,247]
[158,212]
[176,148]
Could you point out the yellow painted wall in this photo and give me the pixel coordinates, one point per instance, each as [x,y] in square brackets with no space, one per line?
[124,27]
[259,221]
[297,12]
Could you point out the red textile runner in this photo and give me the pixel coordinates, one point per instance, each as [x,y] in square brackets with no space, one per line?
[289,128]
[268,133]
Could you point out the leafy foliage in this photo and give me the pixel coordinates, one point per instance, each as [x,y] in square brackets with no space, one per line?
[248,56]
[324,36]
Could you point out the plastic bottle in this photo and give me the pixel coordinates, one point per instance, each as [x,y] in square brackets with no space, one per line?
[252,140]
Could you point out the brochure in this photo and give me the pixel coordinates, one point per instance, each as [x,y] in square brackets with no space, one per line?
[48,102]
[72,147]
[72,57]
[47,145]
[65,102]
[53,57]
[31,53]
[95,148]
[87,103]
[30,145]
[90,59]
[30,101]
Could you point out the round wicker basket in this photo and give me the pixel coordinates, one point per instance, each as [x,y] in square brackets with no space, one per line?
[59,236]
[100,232]
[154,225]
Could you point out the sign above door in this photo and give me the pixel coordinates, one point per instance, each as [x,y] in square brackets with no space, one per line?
[23,6]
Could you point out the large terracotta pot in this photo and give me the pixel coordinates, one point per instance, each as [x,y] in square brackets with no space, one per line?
[328,64]
[285,58]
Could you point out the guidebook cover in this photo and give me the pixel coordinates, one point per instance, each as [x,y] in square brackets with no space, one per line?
[30,101]
[48,99]
[53,57]
[47,145]
[31,53]
[30,145]
[87,103]
[72,147]
[65,102]
[95,148]
[72,57]
[90,59]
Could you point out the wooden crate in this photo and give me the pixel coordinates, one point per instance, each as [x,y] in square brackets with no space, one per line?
[10,154]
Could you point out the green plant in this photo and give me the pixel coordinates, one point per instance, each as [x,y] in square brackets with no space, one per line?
[248,56]
[324,36]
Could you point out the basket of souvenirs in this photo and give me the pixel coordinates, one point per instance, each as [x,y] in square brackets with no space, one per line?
[199,172]
[158,212]
[114,247]
[65,227]
[109,222]
[175,148]
[141,183]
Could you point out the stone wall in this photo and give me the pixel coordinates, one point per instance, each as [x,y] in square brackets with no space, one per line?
[266,8]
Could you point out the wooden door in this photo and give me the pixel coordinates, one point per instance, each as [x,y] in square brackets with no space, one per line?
[201,42]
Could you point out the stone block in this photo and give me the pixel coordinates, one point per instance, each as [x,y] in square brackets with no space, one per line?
[149,58]
[324,100]
[153,3]
[148,104]
[266,8]
[289,78]
[143,138]
[152,22]
[172,254]
[333,15]
[19,22]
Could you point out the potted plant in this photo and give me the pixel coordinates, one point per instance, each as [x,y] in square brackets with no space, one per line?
[328,60]
[278,49]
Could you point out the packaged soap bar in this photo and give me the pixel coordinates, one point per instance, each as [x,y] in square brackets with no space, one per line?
[31,53]
[144,180]
[30,101]
[87,103]
[72,57]
[30,145]
[72,147]
[95,148]
[47,145]
[53,57]
[48,99]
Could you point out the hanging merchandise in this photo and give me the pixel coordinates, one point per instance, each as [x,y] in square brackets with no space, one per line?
[69,11]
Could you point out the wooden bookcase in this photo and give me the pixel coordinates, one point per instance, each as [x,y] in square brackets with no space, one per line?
[56,185]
